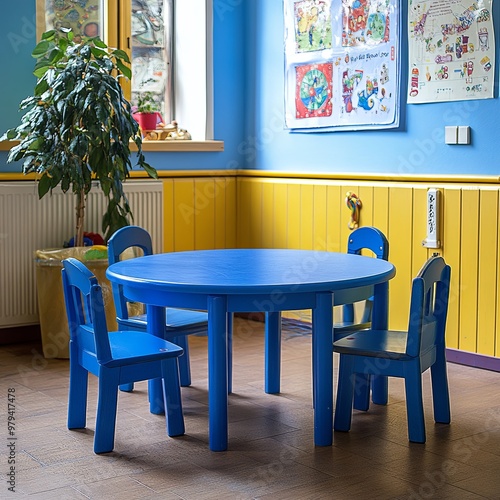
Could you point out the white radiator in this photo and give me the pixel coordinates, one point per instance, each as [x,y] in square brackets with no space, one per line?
[28,224]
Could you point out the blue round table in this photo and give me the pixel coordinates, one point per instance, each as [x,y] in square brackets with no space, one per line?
[257,280]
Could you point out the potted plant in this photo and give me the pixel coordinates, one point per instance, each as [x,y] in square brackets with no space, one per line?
[78,125]
[76,129]
[146,111]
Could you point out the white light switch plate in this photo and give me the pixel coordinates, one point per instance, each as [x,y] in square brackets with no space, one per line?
[463,135]
[451,134]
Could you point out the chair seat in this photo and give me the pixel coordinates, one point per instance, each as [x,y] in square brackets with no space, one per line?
[345,327]
[179,319]
[375,343]
[128,348]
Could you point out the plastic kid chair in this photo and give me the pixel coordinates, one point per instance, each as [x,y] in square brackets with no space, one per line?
[179,322]
[369,238]
[120,357]
[405,354]
[364,238]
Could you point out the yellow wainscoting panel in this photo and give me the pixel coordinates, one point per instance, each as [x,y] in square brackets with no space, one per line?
[199,213]
[452,238]
[401,244]
[333,219]
[306,219]
[487,258]
[250,211]
[312,213]
[469,266]
[319,225]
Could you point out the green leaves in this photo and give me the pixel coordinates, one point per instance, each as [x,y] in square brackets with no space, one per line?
[42,48]
[77,126]
[124,69]
[44,185]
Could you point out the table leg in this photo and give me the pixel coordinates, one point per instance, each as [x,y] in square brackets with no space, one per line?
[272,352]
[380,321]
[217,373]
[322,339]
[156,326]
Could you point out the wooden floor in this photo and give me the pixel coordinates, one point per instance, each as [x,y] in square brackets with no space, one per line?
[271,452]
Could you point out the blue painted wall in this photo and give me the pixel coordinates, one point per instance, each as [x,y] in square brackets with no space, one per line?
[417,148]
[249,101]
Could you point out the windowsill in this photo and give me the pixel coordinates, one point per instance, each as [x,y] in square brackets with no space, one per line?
[166,146]
[182,145]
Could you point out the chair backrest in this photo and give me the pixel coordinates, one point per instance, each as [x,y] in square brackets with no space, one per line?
[370,238]
[85,310]
[123,239]
[428,307]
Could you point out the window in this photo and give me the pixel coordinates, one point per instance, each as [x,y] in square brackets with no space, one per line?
[168,44]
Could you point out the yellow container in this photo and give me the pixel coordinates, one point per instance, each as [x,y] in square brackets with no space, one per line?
[51,307]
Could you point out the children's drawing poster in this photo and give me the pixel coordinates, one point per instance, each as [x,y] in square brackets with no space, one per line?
[451,50]
[341,64]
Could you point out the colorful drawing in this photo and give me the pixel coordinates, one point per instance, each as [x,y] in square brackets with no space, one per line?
[84,17]
[447,42]
[365,22]
[313,30]
[349,83]
[313,90]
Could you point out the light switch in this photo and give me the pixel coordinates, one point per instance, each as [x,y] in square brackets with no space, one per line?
[451,134]
[463,135]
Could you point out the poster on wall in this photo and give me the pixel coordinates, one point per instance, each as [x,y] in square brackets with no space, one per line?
[341,64]
[451,50]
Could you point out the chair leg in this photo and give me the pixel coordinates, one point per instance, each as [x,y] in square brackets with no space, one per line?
[345,394]
[105,424]
[440,392]
[184,363]
[78,388]
[380,389]
[127,387]
[230,318]
[172,396]
[362,391]
[414,403]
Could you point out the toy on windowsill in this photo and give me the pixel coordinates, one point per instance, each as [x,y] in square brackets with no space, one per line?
[167,132]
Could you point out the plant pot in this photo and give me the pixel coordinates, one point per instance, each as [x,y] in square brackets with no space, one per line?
[147,121]
[51,307]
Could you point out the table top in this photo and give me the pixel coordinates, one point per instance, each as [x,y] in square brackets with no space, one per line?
[247,271]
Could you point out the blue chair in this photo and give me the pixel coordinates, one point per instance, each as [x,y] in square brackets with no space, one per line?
[120,357]
[405,354]
[369,238]
[364,238]
[179,322]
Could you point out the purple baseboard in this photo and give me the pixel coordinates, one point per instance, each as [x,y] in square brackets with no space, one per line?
[473,359]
